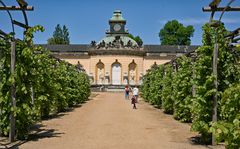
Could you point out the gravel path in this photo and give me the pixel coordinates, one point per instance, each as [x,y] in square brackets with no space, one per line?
[109,122]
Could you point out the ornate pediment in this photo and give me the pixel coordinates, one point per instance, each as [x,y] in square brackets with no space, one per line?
[115,42]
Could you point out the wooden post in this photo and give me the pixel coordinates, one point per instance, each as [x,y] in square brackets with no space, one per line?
[17,8]
[214,114]
[164,70]
[174,64]
[215,53]
[0,52]
[13,93]
[0,105]
[32,94]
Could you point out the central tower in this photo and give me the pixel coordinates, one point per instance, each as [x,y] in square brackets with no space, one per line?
[117,37]
[116,57]
[117,23]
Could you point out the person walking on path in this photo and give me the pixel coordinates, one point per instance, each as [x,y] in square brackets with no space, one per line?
[135,93]
[134,102]
[126,92]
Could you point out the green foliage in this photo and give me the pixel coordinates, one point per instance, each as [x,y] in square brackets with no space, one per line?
[228,128]
[66,34]
[60,36]
[152,88]
[171,90]
[145,87]
[137,39]
[174,89]
[202,105]
[182,90]
[228,73]
[44,85]
[230,103]
[167,97]
[229,132]
[174,33]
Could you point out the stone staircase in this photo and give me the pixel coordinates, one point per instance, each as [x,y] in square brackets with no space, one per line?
[107,88]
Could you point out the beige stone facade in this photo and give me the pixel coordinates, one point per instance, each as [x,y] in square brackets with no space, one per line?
[117,59]
[100,67]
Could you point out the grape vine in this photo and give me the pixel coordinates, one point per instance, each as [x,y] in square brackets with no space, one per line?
[44,85]
[176,89]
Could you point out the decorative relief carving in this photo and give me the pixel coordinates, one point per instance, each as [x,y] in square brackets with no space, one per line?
[116,43]
[132,73]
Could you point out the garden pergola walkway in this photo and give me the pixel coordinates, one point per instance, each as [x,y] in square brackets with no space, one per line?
[109,122]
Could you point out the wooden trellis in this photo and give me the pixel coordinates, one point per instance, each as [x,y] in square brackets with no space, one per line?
[214,7]
[233,37]
[23,6]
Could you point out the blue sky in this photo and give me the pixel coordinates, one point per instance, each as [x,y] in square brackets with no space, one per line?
[87,20]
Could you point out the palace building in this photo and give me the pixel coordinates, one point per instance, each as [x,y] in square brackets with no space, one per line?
[117,59]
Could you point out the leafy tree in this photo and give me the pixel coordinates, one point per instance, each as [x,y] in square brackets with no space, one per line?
[60,35]
[66,34]
[137,39]
[174,33]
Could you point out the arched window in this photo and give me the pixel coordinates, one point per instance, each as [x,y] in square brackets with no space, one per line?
[132,73]
[116,73]
[100,71]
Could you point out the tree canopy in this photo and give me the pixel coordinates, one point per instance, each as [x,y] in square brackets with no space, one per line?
[137,39]
[174,33]
[60,35]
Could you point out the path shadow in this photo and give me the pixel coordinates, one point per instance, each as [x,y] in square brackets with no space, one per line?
[57,115]
[54,116]
[37,133]
[197,140]
[92,96]
[4,143]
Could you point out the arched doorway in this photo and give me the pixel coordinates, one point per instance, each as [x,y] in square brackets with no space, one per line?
[100,70]
[116,73]
[132,73]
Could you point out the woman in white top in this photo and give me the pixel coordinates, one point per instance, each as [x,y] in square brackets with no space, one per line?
[135,93]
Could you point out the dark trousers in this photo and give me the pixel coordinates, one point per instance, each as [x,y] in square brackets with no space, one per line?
[134,106]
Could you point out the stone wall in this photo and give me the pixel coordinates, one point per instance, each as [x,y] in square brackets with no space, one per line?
[99,67]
